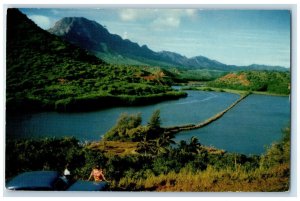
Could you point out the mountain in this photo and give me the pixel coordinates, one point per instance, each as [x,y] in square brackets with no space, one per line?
[172,56]
[205,62]
[95,38]
[46,73]
[113,49]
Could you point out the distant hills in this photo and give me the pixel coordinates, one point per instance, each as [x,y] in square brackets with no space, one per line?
[95,38]
[263,81]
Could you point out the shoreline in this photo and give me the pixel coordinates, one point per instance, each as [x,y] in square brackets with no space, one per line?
[234,91]
[90,103]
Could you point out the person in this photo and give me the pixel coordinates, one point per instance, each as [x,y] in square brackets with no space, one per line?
[67,172]
[67,177]
[97,174]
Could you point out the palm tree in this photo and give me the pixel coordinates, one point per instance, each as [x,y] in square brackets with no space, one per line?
[156,146]
[166,139]
[154,121]
[183,147]
[143,146]
[194,145]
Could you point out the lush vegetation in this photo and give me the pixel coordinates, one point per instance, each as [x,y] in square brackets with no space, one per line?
[265,81]
[197,75]
[151,137]
[155,162]
[44,72]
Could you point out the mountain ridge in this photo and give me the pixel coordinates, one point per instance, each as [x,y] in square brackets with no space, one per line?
[97,39]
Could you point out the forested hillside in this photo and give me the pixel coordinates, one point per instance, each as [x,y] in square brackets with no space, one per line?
[44,72]
[266,81]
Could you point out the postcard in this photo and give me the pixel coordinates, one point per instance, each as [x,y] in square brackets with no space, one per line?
[148,99]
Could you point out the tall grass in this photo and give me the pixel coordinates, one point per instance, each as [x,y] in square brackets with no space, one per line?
[213,180]
[272,175]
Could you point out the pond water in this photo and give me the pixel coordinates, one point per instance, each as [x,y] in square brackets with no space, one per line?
[256,120]
[248,128]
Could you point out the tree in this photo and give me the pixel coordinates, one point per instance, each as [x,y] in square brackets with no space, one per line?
[155,131]
[143,146]
[124,124]
[156,146]
[183,147]
[194,145]
[154,121]
[164,141]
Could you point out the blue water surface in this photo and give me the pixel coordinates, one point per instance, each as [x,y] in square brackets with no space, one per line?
[255,122]
[248,128]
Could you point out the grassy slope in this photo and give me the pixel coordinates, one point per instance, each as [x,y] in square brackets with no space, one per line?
[125,148]
[115,147]
[213,180]
[210,180]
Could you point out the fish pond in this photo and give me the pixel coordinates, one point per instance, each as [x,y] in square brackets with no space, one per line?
[248,128]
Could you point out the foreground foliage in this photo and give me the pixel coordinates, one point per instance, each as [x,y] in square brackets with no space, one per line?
[220,172]
[189,166]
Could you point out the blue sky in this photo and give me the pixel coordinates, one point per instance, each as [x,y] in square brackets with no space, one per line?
[234,37]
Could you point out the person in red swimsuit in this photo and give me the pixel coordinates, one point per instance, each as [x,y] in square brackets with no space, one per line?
[97,174]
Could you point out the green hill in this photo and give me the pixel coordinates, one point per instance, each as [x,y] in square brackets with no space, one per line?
[46,73]
[265,81]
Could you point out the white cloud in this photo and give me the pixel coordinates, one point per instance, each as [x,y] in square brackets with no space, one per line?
[129,14]
[157,18]
[171,18]
[42,21]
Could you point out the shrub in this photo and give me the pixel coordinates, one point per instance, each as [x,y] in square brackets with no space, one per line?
[278,153]
[123,126]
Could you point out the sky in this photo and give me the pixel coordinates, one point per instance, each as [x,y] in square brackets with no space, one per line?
[233,37]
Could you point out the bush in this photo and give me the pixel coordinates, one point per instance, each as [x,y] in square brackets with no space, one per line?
[278,153]
[123,127]
[48,153]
